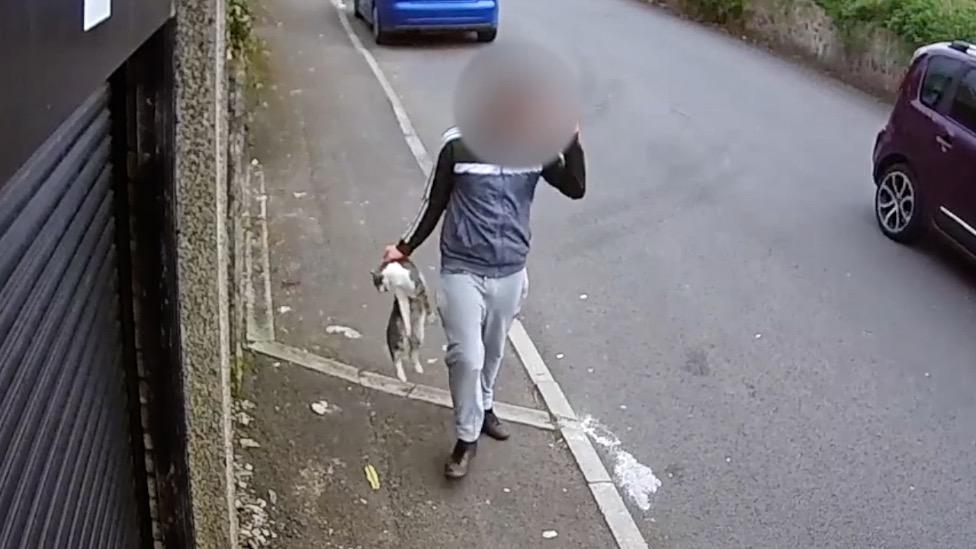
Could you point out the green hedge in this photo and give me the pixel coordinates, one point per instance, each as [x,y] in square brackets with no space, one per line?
[919,22]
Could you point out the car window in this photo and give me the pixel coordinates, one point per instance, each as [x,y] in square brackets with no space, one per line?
[963,108]
[938,77]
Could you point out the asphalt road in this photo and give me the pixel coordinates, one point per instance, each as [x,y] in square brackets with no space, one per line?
[795,379]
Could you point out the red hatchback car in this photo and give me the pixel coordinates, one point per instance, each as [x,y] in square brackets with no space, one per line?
[925,158]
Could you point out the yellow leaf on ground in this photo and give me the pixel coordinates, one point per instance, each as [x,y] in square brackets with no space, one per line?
[373,477]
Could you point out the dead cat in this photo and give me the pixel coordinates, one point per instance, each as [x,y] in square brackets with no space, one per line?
[412,310]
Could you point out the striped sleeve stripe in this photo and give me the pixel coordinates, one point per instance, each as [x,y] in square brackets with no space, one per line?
[477,168]
[450,134]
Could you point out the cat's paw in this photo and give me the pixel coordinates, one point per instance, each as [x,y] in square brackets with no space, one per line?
[401,375]
[417,367]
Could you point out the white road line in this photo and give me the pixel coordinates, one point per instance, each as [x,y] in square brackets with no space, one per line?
[512,413]
[608,499]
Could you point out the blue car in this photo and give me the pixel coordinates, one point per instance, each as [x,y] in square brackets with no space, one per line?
[388,17]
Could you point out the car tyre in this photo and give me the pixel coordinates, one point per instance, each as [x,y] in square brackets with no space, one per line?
[899,206]
[380,36]
[487,35]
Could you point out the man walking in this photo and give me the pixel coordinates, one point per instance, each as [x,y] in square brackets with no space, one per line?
[484,243]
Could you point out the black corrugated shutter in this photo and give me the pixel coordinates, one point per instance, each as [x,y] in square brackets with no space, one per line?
[66,462]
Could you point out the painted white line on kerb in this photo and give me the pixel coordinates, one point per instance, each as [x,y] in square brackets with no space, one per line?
[266,255]
[259,324]
[607,497]
[250,315]
[390,385]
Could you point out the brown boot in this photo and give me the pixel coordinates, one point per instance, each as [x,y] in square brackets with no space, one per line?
[493,427]
[457,465]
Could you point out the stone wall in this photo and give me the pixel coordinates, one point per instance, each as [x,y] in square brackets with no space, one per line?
[203,265]
[238,170]
[871,58]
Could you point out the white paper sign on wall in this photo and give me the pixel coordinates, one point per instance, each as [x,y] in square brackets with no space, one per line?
[96,11]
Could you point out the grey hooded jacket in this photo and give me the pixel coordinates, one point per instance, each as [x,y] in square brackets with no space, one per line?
[486,207]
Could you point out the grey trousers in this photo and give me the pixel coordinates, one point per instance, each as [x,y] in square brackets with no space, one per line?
[477,313]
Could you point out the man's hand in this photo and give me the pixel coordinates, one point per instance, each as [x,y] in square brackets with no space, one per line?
[391,254]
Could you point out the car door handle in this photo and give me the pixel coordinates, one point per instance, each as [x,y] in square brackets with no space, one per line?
[944,142]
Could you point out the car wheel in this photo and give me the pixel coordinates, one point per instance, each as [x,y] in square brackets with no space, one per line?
[380,36]
[487,35]
[355,10]
[898,205]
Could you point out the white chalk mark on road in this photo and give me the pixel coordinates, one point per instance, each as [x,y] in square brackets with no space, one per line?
[637,480]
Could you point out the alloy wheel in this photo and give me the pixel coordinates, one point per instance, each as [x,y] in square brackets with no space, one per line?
[896,202]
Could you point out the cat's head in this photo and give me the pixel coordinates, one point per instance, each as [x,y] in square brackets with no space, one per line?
[379,281]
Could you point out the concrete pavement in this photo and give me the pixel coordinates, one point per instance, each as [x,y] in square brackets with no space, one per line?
[312,466]
[796,379]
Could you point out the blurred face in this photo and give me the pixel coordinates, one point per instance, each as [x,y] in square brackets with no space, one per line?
[509,113]
[516,105]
